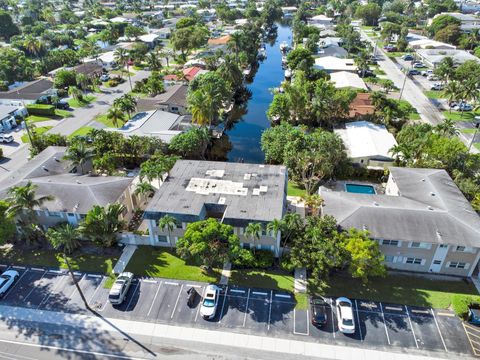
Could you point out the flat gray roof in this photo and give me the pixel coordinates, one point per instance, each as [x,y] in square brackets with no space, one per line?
[6,110]
[246,192]
[430,208]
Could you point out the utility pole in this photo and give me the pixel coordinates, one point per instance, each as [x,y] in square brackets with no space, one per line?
[26,123]
[403,85]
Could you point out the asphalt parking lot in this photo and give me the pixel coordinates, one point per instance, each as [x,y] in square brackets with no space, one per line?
[248,310]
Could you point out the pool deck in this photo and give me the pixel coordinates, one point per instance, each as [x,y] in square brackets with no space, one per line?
[340,185]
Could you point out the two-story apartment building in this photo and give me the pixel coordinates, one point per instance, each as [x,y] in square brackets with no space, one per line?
[423,222]
[74,194]
[233,193]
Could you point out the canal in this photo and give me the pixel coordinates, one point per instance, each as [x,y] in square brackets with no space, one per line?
[246,133]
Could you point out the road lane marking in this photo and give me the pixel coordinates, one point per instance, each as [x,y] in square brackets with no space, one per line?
[358,320]
[270,310]
[246,309]
[15,284]
[411,326]
[33,288]
[176,302]
[438,328]
[154,298]
[223,304]
[385,324]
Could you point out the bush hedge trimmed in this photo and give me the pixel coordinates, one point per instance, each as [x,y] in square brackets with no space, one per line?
[262,259]
[41,109]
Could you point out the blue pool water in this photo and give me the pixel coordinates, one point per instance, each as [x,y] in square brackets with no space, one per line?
[360,189]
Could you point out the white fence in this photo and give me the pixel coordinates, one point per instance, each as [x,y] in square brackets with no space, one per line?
[134,239]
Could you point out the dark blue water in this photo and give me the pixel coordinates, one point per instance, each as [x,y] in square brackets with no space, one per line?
[245,135]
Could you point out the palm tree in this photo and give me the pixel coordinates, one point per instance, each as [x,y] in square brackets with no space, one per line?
[102,224]
[235,43]
[79,154]
[122,57]
[201,108]
[314,202]
[33,45]
[168,223]
[447,128]
[126,103]
[476,202]
[253,231]
[75,93]
[291,224]
[144,189]
[116,116]
[153,62]
[166,54]
[452,91]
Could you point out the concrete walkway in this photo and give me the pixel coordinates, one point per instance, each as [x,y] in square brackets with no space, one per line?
[234,340]
[127,254]
[300,282]
[226,272]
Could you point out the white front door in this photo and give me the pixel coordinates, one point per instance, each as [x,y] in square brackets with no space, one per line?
[439,258]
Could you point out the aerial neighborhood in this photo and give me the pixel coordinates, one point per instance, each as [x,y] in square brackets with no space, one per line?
[299,178]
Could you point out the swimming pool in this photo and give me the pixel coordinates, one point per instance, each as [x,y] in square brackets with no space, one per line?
[360,189]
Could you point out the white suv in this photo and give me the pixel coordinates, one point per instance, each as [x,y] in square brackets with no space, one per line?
[210,302]
[120,288]
[6,138]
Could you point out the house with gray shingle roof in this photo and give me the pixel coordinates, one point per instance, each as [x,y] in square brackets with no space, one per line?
[423,222]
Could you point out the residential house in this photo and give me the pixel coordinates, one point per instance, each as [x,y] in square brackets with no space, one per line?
[423,222]
[361,106]
[433,57]
[345,79]
[151,40]
[163,33]
[218,42]
[8,115]
[174,100]
[468,23]
[332,64]
[234,193]
[321,21]
[91,69]
[27,93]
[368,145]
[468,7]
[429,44]
[157,123]
[74,194]
[289,11]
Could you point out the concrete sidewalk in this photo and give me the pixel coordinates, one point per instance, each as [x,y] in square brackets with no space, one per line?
[284,346]
[122,263]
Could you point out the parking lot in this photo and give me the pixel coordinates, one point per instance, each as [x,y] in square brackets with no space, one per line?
[247,310]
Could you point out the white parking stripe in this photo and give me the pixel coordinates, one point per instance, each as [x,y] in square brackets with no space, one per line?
[246,309]
[94,275]
[358,320]
[195,286]
[45,299]
[148,281]
[171,283]
[416,311]
[176,302]
[259,293]
[385,324]
[36,269]
[133,295]
[199,305]
[15,284]
[96,289]
[33,288]
[438,328]
[283,296]
[393,308]
[21,267]
[223,304]
[270,309]
[237,291]
[55,271]
[154,298]
[411,326]
[75,289]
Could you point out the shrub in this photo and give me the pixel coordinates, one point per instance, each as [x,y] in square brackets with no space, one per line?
[286,263]
[41,109]
[65,78]
[115,81]
[460,304]
[245,259]
[262,259]
[1,153]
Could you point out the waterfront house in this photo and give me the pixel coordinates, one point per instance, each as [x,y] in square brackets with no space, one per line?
[332,64]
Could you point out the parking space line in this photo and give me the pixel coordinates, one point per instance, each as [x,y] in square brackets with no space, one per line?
[445,314]
[474,348]
[199,305]
[20,267]
[171,283]
[294,321]
[55,272]
[223,304]
[393,308]
[237,291]
[283,296]
[14,285]
[270,310]
[411,326]
[37,269]
[96,289]
[150,281]
[333,319]
[133,295]
[45,299]
[195,286]
[259,293]
[94,275]
[438,328]
[246,309]
[385,324]
[75,289]
[358,320]
[416,311]
[33,288]
[154,298]
[176,302]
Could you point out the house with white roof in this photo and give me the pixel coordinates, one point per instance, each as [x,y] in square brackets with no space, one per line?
[368,145]
[332,64]
[321,20]
[345,79]
[433,57]
[429,44]
[150,39]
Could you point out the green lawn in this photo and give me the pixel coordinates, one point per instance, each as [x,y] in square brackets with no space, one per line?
[38,130]
[433,94]
[295,190]
[477,145]
[87,99]
[104,120]
[401,289]
[164,263]
[63,113]
[83,262]
[460,115]
[37,118]
[414,115]
[81,132]
[468,131]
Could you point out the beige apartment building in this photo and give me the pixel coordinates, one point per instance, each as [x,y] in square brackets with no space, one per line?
[423,222]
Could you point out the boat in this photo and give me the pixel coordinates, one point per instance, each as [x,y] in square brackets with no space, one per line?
[284,47]
[247,71]
[262,54]
[288,74]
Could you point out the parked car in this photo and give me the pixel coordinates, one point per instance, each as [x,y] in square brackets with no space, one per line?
[120,288]
[407,57]
[6,138]
[210,302]
[191,297]
[391,49]
[63,104]
[413,72]
[346,324]
[460,106]
[433,77]
[437,87]
[104,77]
[366,73]
[427,72]
[6,281]
[474,314]
[319,311]
[418,65]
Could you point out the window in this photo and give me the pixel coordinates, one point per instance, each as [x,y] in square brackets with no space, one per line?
[437,262]
[247,246]
[390,242]
[162,238]
[413,261]
[460,248]
[174,108]
[388,258]
[55,214]
[420,245]
[443,246]
[457,265]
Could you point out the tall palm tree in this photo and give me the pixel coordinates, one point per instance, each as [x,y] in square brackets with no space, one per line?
[127,103]
[154,62]
[314,202]
[447,128]
[122,57]
[453,92]
[102,224]
[75,93]
[116,116]
[292,223]
[201,108]
[144,189]
[79,154]
[168,223]
[33,45]
[235,43]
[253,231]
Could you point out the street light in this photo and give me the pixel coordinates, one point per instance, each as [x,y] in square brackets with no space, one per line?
[477,126]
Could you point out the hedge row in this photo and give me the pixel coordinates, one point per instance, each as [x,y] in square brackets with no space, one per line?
[41,109]
[460,304]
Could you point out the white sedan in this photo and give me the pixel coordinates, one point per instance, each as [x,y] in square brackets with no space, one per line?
[346,324]
[6,280]
[210,302]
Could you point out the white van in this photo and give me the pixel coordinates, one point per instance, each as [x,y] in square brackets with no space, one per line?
[6,138]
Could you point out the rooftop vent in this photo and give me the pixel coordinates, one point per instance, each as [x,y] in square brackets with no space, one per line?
[376,204]
[256,192]
[430,208]
[222,200]
[56,159]
[261,166]
[44,168]
[263,189]
[432,193]
[423,180]
[78,181]
[247,176]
